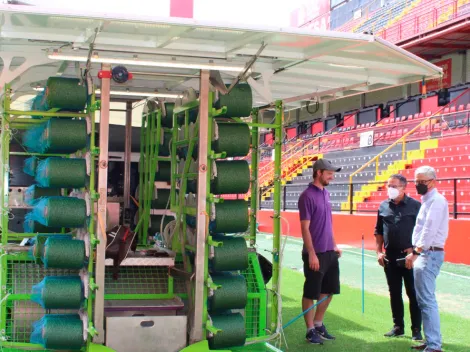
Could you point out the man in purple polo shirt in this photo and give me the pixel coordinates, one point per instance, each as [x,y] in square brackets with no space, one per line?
[320,253]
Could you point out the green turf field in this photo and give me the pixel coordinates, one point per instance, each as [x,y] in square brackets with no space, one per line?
[356,331]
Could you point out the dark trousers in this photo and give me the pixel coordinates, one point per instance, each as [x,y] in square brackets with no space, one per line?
[395,277]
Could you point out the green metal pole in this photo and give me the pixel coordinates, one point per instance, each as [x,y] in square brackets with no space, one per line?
[4,197]
[45,113]
[141,179]
[277,213]
[174,164]
[147,194]
[205,313]
[5,163]
[254,176]
[149,187]
[91,228]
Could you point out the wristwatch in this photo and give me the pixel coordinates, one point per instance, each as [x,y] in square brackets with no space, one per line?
[415,252]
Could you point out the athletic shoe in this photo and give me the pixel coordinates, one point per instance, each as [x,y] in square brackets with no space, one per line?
[395,332]
[421,347]
[321,330]
[431,350]
[313,337]
[416,335]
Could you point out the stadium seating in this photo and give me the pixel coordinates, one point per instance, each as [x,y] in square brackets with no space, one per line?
[451,159]
[350,163]
[445,133]
[383,16]
[457,165]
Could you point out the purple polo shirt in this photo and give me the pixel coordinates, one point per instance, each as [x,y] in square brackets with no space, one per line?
[314,205]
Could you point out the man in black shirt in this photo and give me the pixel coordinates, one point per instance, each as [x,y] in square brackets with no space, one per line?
[395,223]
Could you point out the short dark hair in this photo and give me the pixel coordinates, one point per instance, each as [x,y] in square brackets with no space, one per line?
[316,173]
[400,178]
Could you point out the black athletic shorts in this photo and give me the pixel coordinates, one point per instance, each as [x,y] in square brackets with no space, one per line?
[326,280]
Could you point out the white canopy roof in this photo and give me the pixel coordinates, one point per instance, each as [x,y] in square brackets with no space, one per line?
[296,65]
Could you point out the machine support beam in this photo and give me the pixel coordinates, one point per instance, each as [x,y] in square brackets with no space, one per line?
[197,332]
[277,213]
[102,202]
[127,156]
[254,175]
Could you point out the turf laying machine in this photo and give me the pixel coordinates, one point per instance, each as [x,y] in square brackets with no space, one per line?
[183,273]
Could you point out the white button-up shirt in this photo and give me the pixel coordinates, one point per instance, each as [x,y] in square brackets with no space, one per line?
[432,224]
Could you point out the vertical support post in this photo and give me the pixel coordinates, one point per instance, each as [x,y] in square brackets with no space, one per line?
[92,188]
[5,172]
[139,228]
[455,198]
[200,292]
[5,175]
[403,148]
[102,203]
[351,196]
[254,175]
[277,211]
[363,275]
[284,197]
[127,157]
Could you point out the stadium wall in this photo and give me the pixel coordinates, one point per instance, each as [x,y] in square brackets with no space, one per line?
[349,229]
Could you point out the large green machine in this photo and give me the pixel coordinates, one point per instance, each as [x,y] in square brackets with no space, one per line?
[224,284]
[196,248]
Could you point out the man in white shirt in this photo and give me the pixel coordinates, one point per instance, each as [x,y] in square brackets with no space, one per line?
[429,237]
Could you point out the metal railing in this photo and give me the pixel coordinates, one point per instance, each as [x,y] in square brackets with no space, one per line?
[403,140]
[455,190]
[425,16]
[440,125]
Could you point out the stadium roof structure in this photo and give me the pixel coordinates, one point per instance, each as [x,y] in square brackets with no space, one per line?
[166,55]
[443,40]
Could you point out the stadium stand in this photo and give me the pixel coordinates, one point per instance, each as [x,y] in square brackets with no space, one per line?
[385,15]
[430,136]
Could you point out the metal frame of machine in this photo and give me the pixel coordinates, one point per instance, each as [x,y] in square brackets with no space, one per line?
[13,120]
[297,66]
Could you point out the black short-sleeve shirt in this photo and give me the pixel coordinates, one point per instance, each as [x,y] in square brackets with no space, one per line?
[395,222]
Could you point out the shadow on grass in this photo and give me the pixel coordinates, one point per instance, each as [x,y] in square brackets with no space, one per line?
[351,336]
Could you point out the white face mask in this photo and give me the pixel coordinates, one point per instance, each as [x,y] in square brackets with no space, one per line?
[393,193]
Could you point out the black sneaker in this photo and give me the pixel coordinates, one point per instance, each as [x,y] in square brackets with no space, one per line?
[324,333]
[395,332]
[313,337]
[416,335]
